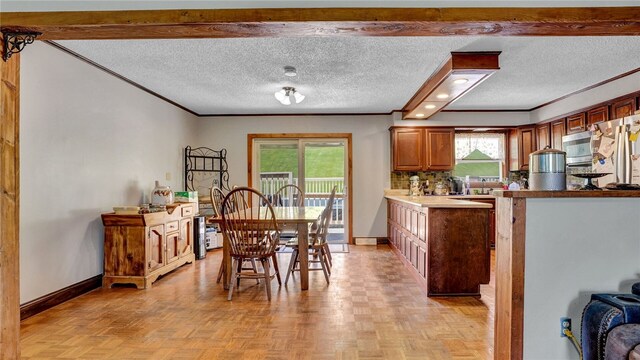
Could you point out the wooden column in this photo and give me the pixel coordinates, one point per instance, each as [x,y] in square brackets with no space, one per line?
[9,207]
[509,306]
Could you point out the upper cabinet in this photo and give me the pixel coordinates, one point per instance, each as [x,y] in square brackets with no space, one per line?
[440,153]
[421,149]
[408,149]
[543,136]
[623,108]
[526,145]
[597,114]
[576,123]
[557,132]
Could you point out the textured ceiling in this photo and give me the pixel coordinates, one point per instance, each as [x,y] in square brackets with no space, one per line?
[357,74]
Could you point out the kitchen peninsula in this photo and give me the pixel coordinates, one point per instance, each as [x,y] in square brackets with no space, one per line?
[555,249]
[444,242]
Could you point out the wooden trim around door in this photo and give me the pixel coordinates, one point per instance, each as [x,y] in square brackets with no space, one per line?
[10,208]
[348,136]
[288,22]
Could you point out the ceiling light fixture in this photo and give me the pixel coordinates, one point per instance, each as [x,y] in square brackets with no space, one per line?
[290,71]
[459,74]
[284,95]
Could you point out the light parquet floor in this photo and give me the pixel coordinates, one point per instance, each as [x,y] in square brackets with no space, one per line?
[371,310]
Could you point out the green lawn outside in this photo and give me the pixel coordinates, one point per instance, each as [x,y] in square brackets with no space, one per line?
[321,162]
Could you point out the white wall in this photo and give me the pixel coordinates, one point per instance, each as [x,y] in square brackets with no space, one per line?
[88,142]
[371,166]
[608,91]
[574,248]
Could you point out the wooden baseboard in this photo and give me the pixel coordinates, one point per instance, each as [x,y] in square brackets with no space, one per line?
[48,301]
[382,240]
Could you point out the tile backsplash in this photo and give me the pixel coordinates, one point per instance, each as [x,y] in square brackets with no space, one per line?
[400,179]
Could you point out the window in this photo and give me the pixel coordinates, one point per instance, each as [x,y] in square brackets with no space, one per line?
[480,155]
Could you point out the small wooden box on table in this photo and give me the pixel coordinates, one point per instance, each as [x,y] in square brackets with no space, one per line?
[140,248]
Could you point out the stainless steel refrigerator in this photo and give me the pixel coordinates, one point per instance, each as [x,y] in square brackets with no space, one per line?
[615,150]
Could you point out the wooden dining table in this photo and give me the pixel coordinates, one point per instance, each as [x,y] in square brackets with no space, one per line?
[286,216]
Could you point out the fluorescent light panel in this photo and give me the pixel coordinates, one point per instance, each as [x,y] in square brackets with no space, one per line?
[455,77]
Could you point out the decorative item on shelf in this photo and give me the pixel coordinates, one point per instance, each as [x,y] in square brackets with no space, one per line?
[547,170]
[441,189]
[589,176]
[161,195]
[414,185]
[157,208]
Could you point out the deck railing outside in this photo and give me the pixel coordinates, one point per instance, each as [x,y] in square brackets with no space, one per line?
[317,191]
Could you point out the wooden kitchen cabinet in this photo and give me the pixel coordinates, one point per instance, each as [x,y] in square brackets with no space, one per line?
[543,136]
[446,249]
[526,145]
[408,149]
[492,217]
[422,149]
[597,114]
[576,123]
[557,132]
[440,153]
[140,248]
[623,108]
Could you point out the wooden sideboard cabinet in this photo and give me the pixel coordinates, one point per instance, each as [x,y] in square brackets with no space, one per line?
[422,149]
[140,248]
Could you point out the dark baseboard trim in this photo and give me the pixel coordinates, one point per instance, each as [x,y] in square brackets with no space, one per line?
[48,301]
[382,240]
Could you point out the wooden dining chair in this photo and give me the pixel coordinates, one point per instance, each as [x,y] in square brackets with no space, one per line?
[252,234]
[288,195]
[217,197]
[327,250]
[317,245]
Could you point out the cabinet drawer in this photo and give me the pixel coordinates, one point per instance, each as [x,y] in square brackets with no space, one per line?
[172,226]
[187,211]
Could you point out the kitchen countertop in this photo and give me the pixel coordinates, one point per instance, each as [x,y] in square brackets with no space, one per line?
[439,202]
[566,194]
[472,196]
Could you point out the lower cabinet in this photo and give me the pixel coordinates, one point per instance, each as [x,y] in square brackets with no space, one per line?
[492,217]
[140,248]
[447,249]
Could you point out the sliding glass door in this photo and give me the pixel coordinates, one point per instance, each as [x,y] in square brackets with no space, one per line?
[316,165]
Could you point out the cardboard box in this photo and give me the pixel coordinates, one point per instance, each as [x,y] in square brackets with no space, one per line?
[187,197]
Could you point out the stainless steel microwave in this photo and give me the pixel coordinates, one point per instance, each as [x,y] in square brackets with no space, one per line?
[578,148]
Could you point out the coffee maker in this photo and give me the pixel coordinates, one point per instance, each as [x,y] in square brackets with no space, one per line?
[455,186]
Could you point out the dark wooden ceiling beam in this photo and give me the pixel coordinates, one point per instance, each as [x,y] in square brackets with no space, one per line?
[158,24]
